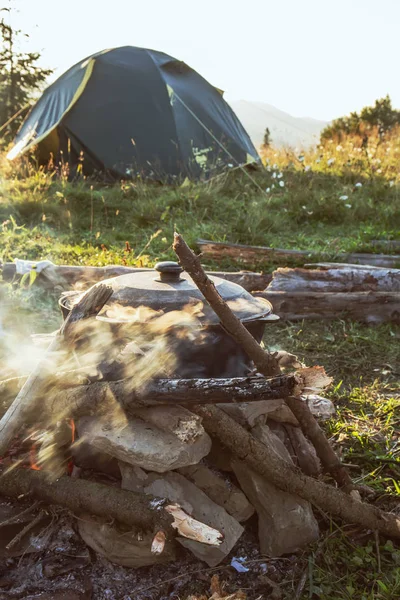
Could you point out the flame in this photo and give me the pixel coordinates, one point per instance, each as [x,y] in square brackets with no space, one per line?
[73,430]
[32,458]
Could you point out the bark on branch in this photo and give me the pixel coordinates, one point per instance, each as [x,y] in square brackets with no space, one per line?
[261,359]
[289,479]
[101,396]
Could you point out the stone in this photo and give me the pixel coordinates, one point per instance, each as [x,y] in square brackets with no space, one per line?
[121,545]
[249,414]
[176,488]
[321,407]
[306,456]
[174,419]
[285,521]
[272,441]
[142,444]
[219,490]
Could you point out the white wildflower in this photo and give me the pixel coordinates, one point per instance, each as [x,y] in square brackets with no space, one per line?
[274,175]
[348,205]
[282,183]
[331,161]
[343,197]
[272,186]
[268,190]
[318,161]
[307,168]
[280,175]
[391,183]
[358,185]
[274,166]
[379,171]
[230,165]
[339,148]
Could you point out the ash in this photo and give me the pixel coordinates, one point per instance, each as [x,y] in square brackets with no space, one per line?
[67,570]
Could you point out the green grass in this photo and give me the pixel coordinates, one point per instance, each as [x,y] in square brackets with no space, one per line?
[85,222]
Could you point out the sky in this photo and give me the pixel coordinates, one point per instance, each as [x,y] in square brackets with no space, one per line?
[315,58]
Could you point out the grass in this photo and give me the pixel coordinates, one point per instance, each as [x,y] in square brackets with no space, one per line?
[325,206]
[320,207]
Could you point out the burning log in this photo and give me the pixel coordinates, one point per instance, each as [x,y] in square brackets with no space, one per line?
[264,362]
[259,254]
[100,397]
[26,402]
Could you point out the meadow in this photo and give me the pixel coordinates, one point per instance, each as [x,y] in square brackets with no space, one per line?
[336,198]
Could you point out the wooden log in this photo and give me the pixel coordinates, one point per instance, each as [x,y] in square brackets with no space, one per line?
[389,244]
[335,280]
[289,479]
[337,265]
[130,508]
[101,397]
[69,275]
[259,254]
[26,402]
[367,307]
[261,359]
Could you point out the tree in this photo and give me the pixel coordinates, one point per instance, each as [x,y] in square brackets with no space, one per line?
[382,117]
[267,137]
[20,79]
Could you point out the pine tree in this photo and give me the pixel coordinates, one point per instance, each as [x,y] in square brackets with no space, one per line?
[20,79]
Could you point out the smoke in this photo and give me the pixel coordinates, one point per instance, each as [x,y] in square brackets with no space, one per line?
[134,344]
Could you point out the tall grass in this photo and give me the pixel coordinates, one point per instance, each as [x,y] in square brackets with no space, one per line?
[331,199]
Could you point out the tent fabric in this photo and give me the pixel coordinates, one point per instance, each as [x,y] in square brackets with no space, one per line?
[136,112]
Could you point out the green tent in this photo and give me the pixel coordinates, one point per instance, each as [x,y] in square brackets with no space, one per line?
[131,112]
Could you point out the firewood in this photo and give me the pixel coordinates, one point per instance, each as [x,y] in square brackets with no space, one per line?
[366,307]
[290,479]
[83,496]
[262,359]
[26,402]
[66,276]
[259,254]
[99,397]
[335,280]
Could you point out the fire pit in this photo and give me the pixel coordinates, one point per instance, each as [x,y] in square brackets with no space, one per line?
[136,419]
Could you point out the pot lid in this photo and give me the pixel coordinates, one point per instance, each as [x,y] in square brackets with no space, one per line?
[168,288]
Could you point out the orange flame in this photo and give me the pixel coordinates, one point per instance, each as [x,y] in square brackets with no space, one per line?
[73,429]
[32,458]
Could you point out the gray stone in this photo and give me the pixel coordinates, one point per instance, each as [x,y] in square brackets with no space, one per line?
[285,521]
[174,419]
[220,490]
[122,545]
[142,444]
[251,413]
[193,501]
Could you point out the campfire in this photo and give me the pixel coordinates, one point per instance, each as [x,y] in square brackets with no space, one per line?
[159,421]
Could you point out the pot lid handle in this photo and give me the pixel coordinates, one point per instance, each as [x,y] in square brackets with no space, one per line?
[169,271]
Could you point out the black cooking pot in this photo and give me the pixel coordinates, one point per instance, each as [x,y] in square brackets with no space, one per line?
[168,288]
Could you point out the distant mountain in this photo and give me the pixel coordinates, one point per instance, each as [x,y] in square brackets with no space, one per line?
[285,129]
